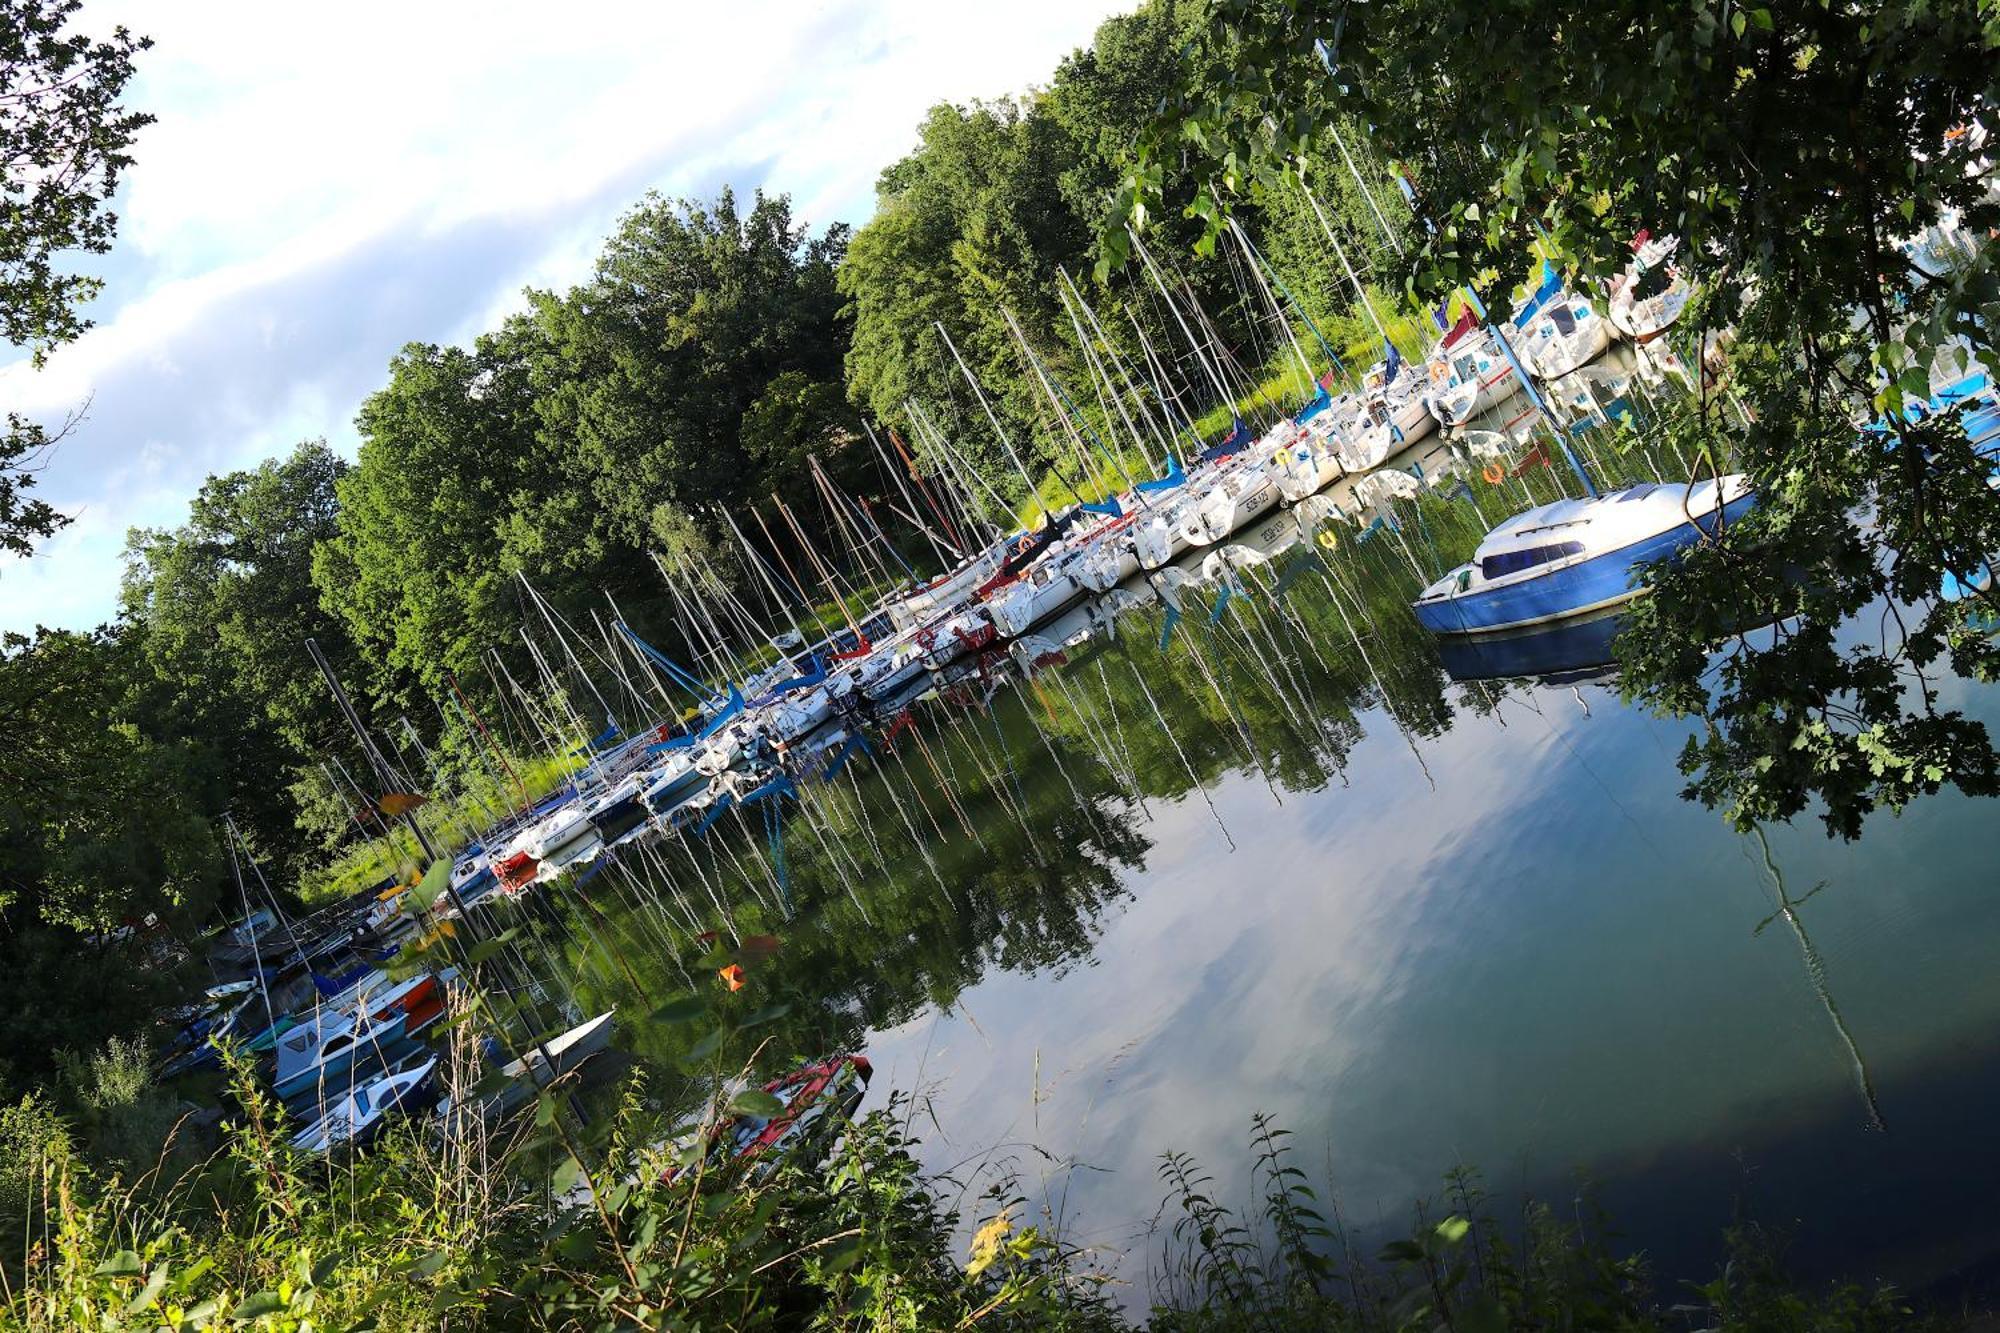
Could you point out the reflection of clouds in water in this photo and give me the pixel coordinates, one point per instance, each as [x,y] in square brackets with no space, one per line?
[1547,964]
[1232,983]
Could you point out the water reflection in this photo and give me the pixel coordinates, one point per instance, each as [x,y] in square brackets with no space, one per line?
[1566,653]
[1240,836]
[1788,912]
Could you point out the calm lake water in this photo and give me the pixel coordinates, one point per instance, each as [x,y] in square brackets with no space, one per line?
[1285,864]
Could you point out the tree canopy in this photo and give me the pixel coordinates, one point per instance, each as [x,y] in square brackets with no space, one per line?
[64,139]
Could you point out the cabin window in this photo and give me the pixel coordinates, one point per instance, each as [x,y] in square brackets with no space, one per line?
[1513,562]
[1561,318]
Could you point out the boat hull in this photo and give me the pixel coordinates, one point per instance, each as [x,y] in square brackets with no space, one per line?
[380,1044]
[1602,581]
[665,796]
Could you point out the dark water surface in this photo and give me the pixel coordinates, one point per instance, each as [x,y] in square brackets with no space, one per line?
[1477,925]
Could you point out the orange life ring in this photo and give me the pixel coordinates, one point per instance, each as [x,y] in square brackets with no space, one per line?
[1440,372]
[1494,473]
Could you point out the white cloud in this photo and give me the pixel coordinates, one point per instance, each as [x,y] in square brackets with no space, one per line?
[317,194]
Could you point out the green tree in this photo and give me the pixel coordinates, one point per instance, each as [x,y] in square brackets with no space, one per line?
[64,139]
[226,603]
[692,311]
[431,526]
[101,826]
[697,367]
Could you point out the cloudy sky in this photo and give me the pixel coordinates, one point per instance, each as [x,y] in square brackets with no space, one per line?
[315,195]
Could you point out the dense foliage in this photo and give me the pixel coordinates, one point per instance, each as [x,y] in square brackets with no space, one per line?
[418,1235]
[64,139]
[719,355]
[103,824]
[694,368]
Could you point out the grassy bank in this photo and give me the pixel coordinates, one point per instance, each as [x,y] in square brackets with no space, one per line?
[558,1224]
[453,820]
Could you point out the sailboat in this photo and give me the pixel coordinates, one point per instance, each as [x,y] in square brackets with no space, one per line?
[368,1106]
[1576,556]
[1242,492]
[354,1030]
[1651,293]
[1301,459]
[541,1065]
[1469,373]
[1045,590]
[1560,330]
[947,590]
[675,782]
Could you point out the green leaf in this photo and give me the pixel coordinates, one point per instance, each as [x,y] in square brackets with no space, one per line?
[545,1110]
[430,888]
[485,949]
[125,1263]
[149,1293]
[257,1306]
[755,1101]
[428,1265]
[707,1046]
[1401,1252]
[1737,22]
[682,1009]
[842,1254]
[1453,1230]
[770,1013]
[423,1265]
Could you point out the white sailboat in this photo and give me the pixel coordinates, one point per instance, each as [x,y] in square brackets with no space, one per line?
[1469,373]
[1651,293]
[1561,331]
[1241,493]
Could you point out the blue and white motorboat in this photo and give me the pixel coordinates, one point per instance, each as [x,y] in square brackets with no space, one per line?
[370,1103]
[1577,556]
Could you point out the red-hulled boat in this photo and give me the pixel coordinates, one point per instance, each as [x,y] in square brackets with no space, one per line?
[816,1100]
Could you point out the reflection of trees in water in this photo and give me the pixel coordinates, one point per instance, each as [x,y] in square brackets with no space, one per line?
[994,837]
[885,921]
[1787,911]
